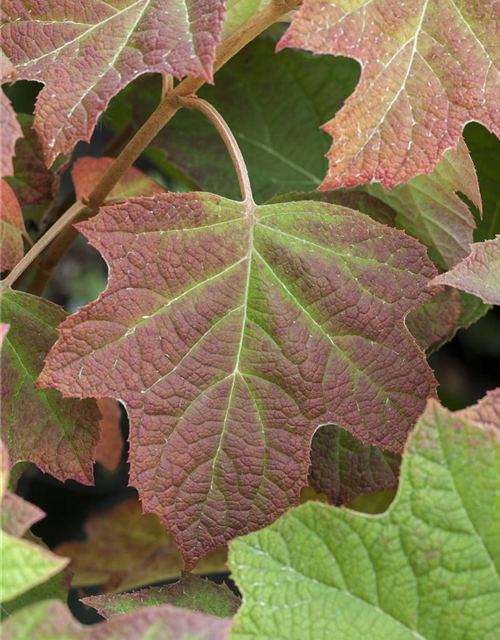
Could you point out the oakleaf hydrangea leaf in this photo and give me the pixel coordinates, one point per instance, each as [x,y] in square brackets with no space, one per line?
[343,468]
[427,568]
[479,273]
[126,549]
[35,186]
[11,228]
[17,515]
[486,411]
[428,68]
[85,52]
[86,173]
[56,434]
[430,209]
[10,127]
[231,332]
[191,592]
[51,619]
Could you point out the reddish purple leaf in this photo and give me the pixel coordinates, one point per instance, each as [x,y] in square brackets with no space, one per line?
[56,434]
[428,68]
[11,228]
[230,333]
[486,411]
[17,515]
[9,126]
[479,273]
[436,319]
[85,52]
[343,468]
[110,448]
[52,619]
[35,186]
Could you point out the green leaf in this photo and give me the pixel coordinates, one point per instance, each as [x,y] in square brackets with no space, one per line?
[231,332]
[275,105]
[429,207]
[427,569]
[25,565]
[191,592]
[56,434]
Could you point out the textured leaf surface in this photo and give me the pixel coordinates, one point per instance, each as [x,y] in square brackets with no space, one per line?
[52,620]
[10,127]
[479,273]
[429,208]
[429,323]
[25,565]
[266,99]
[87,172]
[56,434]
[436,319]
[429,67]
[343,468]
[85,52]
[11,228]
[126,549]
[35,186]
[231,332]
[191,592]
[486,411]
[428,568]
[110,448]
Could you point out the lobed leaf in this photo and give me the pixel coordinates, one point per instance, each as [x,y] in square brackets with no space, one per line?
[427,568]
[230,332]
[479,273]
[190,592]
[436,321]
[126,549]
[58,435]
[11,228]
[51,619]
[85,52]
[428,68]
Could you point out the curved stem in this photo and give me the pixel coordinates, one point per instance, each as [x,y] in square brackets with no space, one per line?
[159,118]
[229,140]
[73,214]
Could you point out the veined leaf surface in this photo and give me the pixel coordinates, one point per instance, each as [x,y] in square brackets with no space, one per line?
[231,332]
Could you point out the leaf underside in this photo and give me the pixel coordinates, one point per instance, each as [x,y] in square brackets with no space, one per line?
[230,337]
[426,569]
[428,68]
